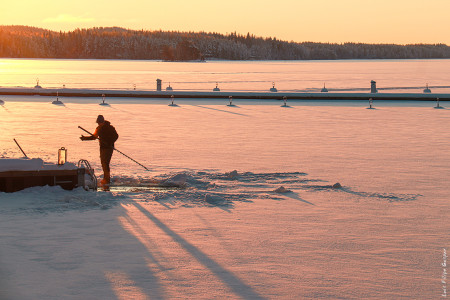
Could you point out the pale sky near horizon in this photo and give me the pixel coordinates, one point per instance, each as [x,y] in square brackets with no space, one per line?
[381,21]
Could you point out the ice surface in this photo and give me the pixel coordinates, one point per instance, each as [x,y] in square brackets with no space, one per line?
[222,231]
[305,76]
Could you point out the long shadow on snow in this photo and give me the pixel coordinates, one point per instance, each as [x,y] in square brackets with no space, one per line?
[113,249]
[296,196]
[139,272]
[240,288]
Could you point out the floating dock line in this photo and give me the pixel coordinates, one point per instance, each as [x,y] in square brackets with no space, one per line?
[20,148]
[331,96]
[118,151]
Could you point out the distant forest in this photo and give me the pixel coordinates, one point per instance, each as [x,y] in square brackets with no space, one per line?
[120,43]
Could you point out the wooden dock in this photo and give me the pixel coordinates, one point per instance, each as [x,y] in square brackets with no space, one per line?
[13,181]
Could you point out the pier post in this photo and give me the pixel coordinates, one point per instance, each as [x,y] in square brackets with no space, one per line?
[373,87]
[158,84]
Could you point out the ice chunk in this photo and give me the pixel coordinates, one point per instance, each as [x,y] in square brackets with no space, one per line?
[215,200]
[337,185]
[282,190]
[178,180]
[232,175]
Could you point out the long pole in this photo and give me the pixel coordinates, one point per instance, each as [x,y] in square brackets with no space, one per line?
[20,148]
[117,151]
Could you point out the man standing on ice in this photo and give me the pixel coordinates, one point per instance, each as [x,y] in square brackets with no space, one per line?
[107,135]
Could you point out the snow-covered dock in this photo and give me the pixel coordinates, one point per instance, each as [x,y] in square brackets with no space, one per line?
[219,95]
[19,174]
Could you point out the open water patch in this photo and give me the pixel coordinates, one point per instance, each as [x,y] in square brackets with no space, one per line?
[186,189]
[390,197]
[226,189]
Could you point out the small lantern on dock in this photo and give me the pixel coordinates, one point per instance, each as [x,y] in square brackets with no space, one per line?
[62,156]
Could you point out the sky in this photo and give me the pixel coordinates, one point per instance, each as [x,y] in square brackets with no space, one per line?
[334,21]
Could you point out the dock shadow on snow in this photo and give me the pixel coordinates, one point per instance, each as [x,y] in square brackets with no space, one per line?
[222,110]
[6,109]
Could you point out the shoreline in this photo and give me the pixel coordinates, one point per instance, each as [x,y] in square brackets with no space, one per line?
[227,60]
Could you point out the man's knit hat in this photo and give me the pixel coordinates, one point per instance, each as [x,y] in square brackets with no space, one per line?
[100,119]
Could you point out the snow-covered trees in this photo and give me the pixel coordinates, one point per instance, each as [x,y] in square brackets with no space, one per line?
[119,43]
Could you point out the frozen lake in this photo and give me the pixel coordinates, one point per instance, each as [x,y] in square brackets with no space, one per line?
[289,76]
[383,235]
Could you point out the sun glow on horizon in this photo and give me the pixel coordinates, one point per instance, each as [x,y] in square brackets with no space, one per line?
[400,22]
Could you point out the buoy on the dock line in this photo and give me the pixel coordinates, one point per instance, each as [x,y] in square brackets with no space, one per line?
[37,86]
[273,88]
[427,90]
[103,101]
[373,87]
[370,104]
[230,98]
[437,104]
[216,89]
[169,88]
[285,102]
[57,101]
[324,89]
[172,98]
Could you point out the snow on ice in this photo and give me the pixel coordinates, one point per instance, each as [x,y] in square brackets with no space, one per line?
[215,233]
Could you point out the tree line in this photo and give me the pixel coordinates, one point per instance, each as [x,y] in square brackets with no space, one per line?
[120,43]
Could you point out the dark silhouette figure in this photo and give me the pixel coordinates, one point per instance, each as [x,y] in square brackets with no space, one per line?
[107,135]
